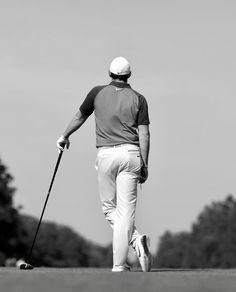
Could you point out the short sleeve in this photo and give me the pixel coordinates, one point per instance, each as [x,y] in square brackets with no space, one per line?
[87,107]
[143,116]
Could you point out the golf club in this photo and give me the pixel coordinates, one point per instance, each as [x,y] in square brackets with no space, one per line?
[26,265]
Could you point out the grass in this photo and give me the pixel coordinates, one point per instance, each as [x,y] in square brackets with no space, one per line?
[103,280]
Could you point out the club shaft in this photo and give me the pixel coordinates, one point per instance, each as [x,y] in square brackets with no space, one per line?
[45,204]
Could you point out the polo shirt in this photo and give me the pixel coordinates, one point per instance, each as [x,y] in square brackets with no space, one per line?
[119,110]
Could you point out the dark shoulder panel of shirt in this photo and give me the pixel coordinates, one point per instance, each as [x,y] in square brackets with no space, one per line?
[87,107]
[143,116]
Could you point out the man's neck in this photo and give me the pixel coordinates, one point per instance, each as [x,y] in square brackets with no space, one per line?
[118,80]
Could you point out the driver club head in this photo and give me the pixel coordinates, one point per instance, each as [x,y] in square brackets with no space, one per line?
[25,266]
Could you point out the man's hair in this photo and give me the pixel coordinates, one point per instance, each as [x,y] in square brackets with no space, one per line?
[120,77]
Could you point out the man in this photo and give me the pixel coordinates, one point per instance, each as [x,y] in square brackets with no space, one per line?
[122,139]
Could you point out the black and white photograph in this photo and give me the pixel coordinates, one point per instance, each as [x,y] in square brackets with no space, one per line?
[117,146]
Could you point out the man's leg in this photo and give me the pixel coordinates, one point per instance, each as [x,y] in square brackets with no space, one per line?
[106,170]
[110,185]
[125,232]
[124,229]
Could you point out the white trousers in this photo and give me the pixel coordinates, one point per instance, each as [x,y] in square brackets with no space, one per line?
[118,174]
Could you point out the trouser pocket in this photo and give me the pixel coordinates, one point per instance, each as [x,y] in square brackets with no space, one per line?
[134,159]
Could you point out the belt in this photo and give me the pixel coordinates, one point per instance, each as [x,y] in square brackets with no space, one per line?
[115,146]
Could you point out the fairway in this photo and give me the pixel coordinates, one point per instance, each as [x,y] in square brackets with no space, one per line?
[102,280]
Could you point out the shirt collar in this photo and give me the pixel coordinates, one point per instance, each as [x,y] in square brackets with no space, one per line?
[120,84]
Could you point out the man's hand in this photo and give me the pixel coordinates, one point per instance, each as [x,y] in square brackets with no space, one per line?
[63,142]
[143,174]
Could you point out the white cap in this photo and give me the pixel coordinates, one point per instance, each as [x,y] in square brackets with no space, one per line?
[120,66]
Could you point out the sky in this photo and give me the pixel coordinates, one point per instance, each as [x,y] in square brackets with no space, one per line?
[182,54]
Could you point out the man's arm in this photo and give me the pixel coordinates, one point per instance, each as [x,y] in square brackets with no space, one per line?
[144,144]
[74,125]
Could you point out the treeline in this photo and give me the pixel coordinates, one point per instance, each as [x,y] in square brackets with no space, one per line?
[211,243]
[59,246]
[56,245]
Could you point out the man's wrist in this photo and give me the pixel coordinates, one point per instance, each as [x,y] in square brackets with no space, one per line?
[65,136]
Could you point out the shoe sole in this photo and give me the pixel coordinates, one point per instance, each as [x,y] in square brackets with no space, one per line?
[147,253]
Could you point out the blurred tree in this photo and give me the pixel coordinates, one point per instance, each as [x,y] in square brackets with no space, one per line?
[172,250]
[100,256]
[60,246]
[210,244]
[56,245]
[215,235]
[8,215]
